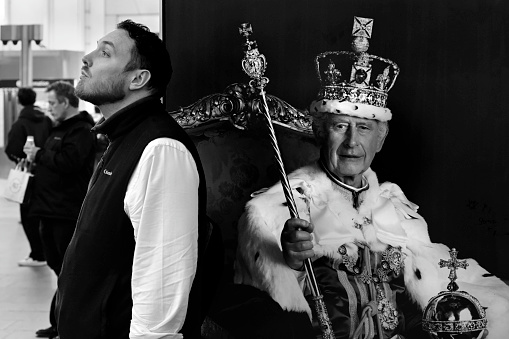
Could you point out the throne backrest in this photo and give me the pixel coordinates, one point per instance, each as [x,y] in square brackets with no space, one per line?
[232,139]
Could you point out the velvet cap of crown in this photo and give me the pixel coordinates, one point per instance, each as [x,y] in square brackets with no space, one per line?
[354,82]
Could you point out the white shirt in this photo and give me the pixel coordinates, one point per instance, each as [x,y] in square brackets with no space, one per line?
[162,203]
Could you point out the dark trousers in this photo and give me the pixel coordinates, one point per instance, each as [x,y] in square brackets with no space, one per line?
[31,228]
[56,234]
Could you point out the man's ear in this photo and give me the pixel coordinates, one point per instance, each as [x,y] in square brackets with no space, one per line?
[381,139]
[66,102]
[139,79]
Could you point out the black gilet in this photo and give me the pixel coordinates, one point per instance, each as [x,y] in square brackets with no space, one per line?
[94,288]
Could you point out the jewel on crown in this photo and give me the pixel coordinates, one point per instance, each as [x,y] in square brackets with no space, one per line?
[356,76]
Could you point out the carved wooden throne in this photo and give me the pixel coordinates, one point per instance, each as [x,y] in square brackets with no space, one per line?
[231,137]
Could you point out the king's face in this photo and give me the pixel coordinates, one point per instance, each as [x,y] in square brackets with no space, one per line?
[350,146]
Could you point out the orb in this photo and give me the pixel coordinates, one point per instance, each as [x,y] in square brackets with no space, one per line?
[455,315]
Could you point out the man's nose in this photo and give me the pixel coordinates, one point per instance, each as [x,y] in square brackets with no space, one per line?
[87,60]
[352,137]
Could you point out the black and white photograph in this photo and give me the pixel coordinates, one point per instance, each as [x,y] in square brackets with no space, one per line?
[254,169]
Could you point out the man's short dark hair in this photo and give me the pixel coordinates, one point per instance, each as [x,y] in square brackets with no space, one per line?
[26,96]
[150,53]
[64,90]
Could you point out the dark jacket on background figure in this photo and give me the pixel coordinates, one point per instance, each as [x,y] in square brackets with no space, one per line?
[31,121]
[100,255]
[64,167]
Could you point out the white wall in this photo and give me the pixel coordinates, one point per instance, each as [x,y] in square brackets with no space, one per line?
[95,19]
[143,11]
[76,25]
[25,12]
[66,24]
[62,21]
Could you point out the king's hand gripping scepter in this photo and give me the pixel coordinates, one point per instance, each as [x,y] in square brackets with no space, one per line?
[254,65]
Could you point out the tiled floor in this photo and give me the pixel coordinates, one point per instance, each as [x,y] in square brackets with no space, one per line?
[25,292]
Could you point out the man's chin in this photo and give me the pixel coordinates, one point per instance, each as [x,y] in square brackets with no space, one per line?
[81,82]
[351,170]
[97,99]
[82,93]
[79,90]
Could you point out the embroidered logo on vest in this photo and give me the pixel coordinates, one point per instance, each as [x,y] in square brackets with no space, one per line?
[107,172]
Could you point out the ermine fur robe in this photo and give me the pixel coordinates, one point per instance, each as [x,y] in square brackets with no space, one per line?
[395,221]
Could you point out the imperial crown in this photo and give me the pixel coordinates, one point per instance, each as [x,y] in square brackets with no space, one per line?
[356,76]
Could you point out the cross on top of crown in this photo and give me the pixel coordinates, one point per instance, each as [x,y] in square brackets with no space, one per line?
[362,27]
[453,264]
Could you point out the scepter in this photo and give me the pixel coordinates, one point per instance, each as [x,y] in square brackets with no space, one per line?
[254,65]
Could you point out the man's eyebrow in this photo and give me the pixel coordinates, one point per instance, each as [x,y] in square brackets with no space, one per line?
[109,43]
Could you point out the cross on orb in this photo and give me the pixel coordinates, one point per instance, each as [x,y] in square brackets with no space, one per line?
[453,264]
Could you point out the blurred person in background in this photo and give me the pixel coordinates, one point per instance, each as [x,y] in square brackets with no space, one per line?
[31,121]
[64,167]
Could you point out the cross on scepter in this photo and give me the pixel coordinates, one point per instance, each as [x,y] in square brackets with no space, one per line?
[453,264]
[254,63]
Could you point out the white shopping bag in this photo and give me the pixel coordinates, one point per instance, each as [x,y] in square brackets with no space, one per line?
[18,183]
